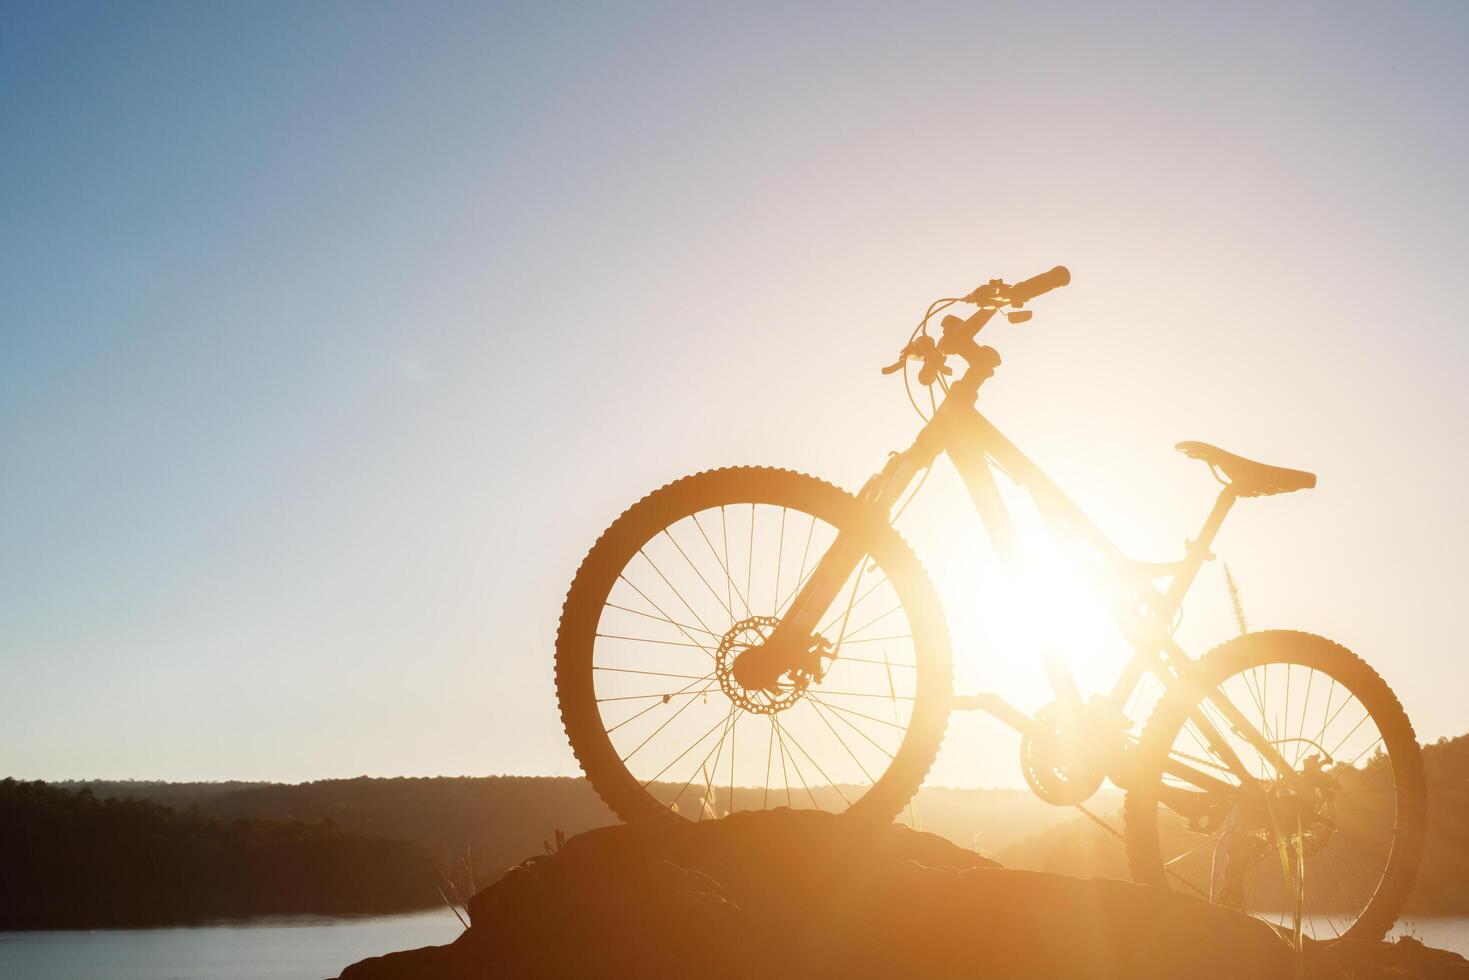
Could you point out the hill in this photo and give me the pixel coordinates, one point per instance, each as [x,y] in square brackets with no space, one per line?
[804,895]
[180,795]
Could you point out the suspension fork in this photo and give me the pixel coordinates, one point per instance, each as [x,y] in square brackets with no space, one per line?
[883,489]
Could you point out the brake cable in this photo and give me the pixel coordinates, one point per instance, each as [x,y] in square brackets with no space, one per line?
[937,306]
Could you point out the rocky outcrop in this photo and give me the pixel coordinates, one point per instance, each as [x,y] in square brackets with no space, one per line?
[802,894]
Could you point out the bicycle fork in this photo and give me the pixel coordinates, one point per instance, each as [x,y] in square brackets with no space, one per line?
[794,637]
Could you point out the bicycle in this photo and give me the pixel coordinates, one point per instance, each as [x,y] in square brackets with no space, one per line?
[799,610]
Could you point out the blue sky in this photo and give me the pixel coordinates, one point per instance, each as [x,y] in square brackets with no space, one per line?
[334,334]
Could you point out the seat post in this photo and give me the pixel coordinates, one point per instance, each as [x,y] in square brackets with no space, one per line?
[1215,520]
[1199,549]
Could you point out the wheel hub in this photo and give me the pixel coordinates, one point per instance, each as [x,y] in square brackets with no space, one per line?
[1276,808]
[1279,806]
[758,677]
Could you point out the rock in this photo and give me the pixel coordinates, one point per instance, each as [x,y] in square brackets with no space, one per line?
[428,961]
[800,893]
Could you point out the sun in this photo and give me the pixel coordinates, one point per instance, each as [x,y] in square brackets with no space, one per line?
[1006,622]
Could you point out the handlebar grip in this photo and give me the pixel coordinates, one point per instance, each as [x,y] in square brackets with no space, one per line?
[1036,285]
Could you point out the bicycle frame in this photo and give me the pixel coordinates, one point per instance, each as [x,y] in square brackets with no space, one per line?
[1142,611]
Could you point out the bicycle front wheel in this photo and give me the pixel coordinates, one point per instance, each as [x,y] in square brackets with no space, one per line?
[1328,821]
[696,574]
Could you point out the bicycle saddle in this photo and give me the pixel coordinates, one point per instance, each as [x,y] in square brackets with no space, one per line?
[1249,478]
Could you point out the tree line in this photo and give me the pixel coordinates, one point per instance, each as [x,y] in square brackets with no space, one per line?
[73,860]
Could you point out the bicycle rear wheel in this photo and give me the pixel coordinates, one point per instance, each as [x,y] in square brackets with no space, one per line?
[699,572]
[1347,845]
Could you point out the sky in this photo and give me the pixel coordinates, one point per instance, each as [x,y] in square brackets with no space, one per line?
[332,335]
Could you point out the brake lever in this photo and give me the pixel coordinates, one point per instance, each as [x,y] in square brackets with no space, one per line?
[926,350]
[992,295]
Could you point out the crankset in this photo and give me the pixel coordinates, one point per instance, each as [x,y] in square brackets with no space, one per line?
[1073,746]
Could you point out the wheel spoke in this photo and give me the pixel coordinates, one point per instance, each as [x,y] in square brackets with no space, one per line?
[860,599]
[800,572]
[1346,814]
[861,694]
[1259,700]
[665,615]
[730,591]
[851,599]
[637,697]
[1327,723]
[794,741]
[795,764]
[723,604]
[1376,742]
[858,714]
[780,550]
[703,763]
[806,551]
[832,728]
[677,594]
[800,584]
[1340,890]
[653,673]
[660,728]
[711,793]
[666,699]
[1305,713]
[769,757]
[848,723]
[750,556]
[871,622]
[660,619]
[733,742]
[1284,727]
[844,659]
[1337,747]
[667,734]
[689,749]
[1192,850]
[649,639]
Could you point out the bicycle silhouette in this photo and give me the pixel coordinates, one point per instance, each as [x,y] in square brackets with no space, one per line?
[748,638]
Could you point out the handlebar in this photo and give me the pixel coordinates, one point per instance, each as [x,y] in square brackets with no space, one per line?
[996,294]
[1036,285]
[958,334]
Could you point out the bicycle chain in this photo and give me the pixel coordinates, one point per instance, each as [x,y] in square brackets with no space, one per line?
[1118,834]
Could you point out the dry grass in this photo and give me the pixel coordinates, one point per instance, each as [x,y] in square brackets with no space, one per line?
[458,886]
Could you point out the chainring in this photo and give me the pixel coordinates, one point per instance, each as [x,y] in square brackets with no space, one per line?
[1059,761]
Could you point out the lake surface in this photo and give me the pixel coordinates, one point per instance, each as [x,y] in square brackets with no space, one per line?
[1447,933]
[304,948]
[310,948]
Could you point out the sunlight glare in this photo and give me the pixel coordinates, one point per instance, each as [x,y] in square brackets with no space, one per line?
[1003,623]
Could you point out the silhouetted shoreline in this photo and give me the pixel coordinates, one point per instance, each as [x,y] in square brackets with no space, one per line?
[99,854]
[72,861]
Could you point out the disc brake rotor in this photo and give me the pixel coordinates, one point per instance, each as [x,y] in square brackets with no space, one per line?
[788,688]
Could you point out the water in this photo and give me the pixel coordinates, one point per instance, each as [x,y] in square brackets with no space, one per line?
[312,948]
[305,948]
[1444,933]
